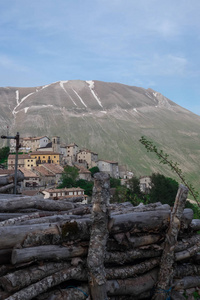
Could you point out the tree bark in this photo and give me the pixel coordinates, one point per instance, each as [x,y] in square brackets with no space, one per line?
[6,187]
[140,222]
[189,252]
[133,286]
[195,225]
[70,293]
[132,270]
[98,237]
[13,282]
[48,282]
[54,253]
[12,235]
[5,180]
[15,204]
[165,277]
[186,283]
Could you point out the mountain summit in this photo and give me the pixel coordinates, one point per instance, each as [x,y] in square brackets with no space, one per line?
[108,118]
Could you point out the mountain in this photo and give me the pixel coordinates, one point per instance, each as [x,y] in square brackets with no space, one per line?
[108,118]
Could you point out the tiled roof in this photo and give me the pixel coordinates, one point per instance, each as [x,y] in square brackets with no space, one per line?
[43,171]
[28,173]
[72,145]
[20,156]
[6,172]
[78,189]
[57,169]
[82,169]
[44,153]
[30,193]
[88,151]
[49,145]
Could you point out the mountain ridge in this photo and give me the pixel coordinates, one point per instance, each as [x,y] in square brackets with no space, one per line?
[108,118]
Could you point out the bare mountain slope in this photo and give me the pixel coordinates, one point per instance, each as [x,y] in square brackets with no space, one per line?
[108,118]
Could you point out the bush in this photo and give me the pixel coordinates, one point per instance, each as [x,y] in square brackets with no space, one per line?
[163,189]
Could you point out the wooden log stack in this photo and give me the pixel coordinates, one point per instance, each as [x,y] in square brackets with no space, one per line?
[7,181]
[63,250]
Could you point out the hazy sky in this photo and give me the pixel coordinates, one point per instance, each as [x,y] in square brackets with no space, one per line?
[147,43]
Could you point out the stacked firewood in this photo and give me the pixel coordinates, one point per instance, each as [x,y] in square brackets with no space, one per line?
[7,181]
[59,249]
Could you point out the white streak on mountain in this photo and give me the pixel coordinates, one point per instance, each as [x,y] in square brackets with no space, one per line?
[91,86]
[62,86]
[79,98]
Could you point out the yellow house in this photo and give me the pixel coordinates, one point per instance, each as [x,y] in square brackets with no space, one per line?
[24,161]
[46,157]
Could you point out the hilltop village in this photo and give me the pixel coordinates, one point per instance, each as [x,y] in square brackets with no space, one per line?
[42,161]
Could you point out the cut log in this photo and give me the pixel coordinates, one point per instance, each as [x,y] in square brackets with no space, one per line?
[120,258]
[13,282]
[54,253]
[22,218]
[188,253]
[132,286]
[187,283]
[98,237]
[187,243]
[4,180]
[140,221]
[6,187]
[132,270]
[69,293]
[186,269]
[48,282]
[138,241]
[12,235]
[165,277]
[195,224]
[33,202]
[57,218]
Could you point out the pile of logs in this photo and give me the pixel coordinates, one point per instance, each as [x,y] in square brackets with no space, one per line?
[58,249]
[7,182]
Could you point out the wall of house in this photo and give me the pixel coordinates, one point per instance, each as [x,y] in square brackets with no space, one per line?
[29,163]
[45,158]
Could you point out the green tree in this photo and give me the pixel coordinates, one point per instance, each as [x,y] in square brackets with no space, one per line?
[69,177]
[4,152]
[164,159]
[114,182]
[163,189]
[94,170]
[121,194]
[86,185]
[134,186]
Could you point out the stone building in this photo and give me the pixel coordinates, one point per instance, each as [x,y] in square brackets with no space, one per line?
[33,143]
[88,157]
[109,167]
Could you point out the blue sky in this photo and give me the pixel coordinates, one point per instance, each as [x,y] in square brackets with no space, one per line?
[147,43]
